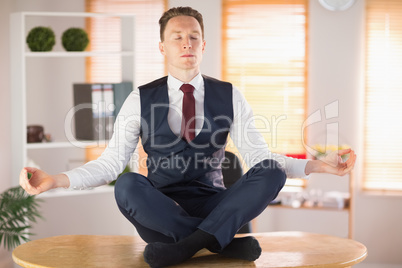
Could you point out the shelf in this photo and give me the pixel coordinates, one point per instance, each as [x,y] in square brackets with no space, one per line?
[42,93]
[65,54]
[30,78]
[67,192]
[311,208]
[76,14]
[64,144]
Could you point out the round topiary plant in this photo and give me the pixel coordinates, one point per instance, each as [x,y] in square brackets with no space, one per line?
[75,39]
[41,39]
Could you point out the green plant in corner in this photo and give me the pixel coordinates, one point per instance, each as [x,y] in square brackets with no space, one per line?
[17,209]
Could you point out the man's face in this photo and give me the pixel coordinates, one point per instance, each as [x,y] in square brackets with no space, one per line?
[183,45]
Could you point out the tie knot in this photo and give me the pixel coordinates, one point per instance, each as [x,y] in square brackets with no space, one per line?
[187,88]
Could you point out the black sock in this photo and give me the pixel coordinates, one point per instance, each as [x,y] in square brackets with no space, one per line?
[245,248]
[162,254]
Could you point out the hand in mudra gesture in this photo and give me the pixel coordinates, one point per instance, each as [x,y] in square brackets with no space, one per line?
[39,182]
[333,163]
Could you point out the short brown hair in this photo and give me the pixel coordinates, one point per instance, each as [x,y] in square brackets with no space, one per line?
[179,11]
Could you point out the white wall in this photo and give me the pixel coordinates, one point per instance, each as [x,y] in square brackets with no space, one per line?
[336,55]
[5,96]
[5,108]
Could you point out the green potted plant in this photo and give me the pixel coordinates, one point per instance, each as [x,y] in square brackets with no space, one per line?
[41,39]
[17,209]
[75,39]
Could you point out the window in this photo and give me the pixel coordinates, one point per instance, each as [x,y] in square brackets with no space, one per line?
[264,55]
[383,110]
[149,61]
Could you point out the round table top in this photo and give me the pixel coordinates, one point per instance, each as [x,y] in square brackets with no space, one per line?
[280,249]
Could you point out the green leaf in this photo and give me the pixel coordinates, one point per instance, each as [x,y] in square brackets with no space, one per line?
[17,208]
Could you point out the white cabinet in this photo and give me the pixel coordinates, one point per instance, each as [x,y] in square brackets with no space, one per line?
[42,93]
[42,87]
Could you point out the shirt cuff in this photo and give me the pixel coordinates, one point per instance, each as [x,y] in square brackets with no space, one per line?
[300,168]
[75,183]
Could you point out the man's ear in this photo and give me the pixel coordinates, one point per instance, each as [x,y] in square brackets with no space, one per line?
[203,45]
[162,48]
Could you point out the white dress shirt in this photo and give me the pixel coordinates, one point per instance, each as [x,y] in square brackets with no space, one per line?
[123,143]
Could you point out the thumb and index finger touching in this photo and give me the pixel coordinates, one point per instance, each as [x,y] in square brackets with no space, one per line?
[30,169]
[24,180]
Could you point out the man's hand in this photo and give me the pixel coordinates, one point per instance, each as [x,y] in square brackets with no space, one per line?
[40,181]
[332,163]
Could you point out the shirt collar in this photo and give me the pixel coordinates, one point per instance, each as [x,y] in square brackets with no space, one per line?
[175,83]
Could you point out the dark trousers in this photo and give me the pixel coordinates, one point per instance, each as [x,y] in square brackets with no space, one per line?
[173,213]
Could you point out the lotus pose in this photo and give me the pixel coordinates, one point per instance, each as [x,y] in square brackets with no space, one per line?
[184,120]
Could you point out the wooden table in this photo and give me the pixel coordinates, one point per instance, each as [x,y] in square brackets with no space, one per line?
[280,249]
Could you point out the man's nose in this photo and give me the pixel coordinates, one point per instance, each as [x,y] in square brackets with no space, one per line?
[187,43]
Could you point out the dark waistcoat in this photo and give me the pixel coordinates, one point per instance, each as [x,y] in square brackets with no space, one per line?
[171,160]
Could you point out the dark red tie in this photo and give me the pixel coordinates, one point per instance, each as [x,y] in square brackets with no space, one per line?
[188,120]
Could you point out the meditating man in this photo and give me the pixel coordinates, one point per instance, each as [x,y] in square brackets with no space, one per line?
[184,121]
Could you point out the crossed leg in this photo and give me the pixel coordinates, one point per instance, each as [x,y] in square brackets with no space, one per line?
[175,235]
